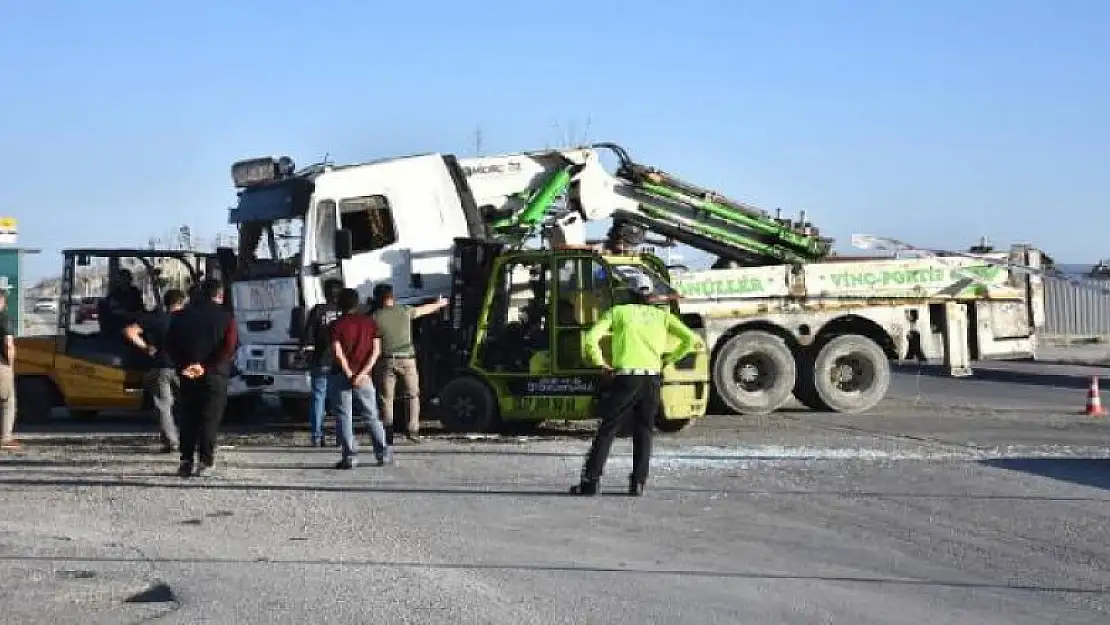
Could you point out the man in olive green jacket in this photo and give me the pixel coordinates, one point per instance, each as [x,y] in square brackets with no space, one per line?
[640,331]
[398,359]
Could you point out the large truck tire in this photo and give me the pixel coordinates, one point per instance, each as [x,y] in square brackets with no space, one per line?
[34,399]
[467,405]
[850,374]
[754,373]
[804,390]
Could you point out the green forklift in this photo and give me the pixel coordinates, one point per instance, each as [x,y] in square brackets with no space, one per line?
[509,351]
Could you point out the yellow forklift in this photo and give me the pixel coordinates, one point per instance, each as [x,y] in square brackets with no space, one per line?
[509,351]
[77,367]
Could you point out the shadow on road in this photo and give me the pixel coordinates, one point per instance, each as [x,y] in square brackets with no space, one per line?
[134,429]
[169,480]
[576,569]
[1093,472]
[1057,380]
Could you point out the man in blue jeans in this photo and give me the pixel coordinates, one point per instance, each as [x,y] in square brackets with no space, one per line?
[356,346]
[317,336]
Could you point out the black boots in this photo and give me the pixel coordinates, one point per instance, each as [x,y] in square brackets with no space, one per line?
[635,487]
[585,487]
[590,487]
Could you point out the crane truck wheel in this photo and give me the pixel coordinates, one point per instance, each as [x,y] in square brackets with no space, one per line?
[670,426]
[804,390]
[851,374]
[467,405]
[754,372]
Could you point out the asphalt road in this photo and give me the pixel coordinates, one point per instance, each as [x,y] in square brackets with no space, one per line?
[957,501]
[925,511]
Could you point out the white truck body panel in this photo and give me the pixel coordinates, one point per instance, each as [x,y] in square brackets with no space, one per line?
[1004,307]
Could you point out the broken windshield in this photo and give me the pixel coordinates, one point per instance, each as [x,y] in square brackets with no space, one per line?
[287,199]
[271,224]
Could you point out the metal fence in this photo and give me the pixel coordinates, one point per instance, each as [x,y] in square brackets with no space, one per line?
[1073,311]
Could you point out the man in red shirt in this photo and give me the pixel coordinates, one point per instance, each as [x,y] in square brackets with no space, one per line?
[356,345]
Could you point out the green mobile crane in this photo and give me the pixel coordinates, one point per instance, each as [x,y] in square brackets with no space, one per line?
[641,199]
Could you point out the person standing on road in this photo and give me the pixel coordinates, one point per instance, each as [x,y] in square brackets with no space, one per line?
[317,337]
[640,331]
[149,336]
[7,378]
[201,342]
[356,346]
[394,322]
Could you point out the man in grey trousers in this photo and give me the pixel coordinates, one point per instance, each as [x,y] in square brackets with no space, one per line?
[149,336]
[7,378]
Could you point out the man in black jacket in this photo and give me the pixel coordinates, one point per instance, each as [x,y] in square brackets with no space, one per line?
[317,337]
[148,335]
[201,343]
[120,306]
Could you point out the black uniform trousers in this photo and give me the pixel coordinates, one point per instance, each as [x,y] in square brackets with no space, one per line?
[634,398]
[202,403]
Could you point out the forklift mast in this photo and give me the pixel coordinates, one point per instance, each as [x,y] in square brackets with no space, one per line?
[446,345]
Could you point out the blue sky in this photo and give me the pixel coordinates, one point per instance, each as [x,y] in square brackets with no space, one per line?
[934,122]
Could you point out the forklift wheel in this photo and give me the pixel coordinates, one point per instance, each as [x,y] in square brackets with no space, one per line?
[466,405]
[34,400]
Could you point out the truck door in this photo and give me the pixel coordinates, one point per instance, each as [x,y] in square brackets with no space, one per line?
[399,235]
[319,251]
[369,219]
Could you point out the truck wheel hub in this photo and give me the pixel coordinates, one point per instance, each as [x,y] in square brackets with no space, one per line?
[463,406]
[754,373]
[852,375]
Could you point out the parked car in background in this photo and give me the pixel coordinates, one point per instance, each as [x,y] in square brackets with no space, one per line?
[86,310]
[45,305]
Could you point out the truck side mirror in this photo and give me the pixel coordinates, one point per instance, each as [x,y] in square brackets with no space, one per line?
[344,244]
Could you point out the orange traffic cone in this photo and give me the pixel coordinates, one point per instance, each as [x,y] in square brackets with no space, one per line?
[1094,400]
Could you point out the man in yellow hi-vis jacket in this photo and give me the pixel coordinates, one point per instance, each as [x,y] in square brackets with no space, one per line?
[640,331]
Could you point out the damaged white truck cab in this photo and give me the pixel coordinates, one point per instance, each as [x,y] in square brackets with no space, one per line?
[390,221]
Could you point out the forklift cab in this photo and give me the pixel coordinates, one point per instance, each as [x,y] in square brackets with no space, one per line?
[521,348]
[542,304]
[94,366]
